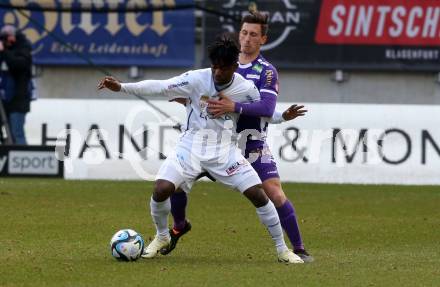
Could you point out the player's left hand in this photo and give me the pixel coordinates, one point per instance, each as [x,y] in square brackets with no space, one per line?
[293,112]
[110,83]
[224,105]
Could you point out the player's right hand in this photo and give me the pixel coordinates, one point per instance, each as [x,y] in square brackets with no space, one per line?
[110,83]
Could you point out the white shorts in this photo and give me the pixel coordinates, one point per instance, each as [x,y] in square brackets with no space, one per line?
[186,187]
[182,167]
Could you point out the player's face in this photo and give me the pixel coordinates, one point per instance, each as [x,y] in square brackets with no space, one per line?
[9,40]
[251,38]
[222,73]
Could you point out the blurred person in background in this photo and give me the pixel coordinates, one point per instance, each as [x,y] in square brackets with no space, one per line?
[16,65]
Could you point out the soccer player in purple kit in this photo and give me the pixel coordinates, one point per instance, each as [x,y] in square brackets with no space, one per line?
[253,66]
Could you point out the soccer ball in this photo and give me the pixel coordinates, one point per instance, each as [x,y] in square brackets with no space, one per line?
[126,245]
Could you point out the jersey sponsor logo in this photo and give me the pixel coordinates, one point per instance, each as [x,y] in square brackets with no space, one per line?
[258,68]
[236,166]
[181,84]
[253,76]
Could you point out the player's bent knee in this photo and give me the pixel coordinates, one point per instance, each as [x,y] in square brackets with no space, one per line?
[277,196]
[162,190]
[275,193]
[278,199]
[256,195]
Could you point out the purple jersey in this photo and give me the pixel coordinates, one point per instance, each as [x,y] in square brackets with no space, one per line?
[265,78]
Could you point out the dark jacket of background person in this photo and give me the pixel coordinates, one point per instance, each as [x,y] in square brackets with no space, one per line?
[19,61]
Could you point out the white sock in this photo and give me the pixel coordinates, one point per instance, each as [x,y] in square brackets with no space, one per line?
[269,217]
[159,213]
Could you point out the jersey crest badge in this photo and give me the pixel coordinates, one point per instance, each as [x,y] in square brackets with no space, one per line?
[204,106]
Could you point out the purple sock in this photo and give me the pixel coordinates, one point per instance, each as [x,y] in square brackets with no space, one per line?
[178,209]
[286,212]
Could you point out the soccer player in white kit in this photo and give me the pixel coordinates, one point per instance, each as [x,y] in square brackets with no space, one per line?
[207,144]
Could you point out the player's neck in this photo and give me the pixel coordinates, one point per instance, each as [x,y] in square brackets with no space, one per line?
[247,58]
[221,87]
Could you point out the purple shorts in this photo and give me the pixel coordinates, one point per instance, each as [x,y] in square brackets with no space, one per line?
[262,161]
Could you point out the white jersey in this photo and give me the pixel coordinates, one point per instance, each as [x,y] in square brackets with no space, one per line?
[198,86]
[207,144]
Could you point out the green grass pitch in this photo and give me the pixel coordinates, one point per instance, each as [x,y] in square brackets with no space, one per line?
[56,233]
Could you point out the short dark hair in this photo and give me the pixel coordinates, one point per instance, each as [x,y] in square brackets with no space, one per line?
[224,50]
[255,17]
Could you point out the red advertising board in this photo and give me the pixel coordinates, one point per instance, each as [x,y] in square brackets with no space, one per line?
[379,22]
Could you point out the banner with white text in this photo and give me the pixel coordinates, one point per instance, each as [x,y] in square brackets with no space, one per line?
[156,38]
[337,143]
[341,34]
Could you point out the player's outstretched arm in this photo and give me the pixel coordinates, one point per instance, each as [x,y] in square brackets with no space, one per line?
[177,87]
[142,88]
[289,114]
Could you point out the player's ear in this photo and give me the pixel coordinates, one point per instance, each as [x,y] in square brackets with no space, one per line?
[263,40]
